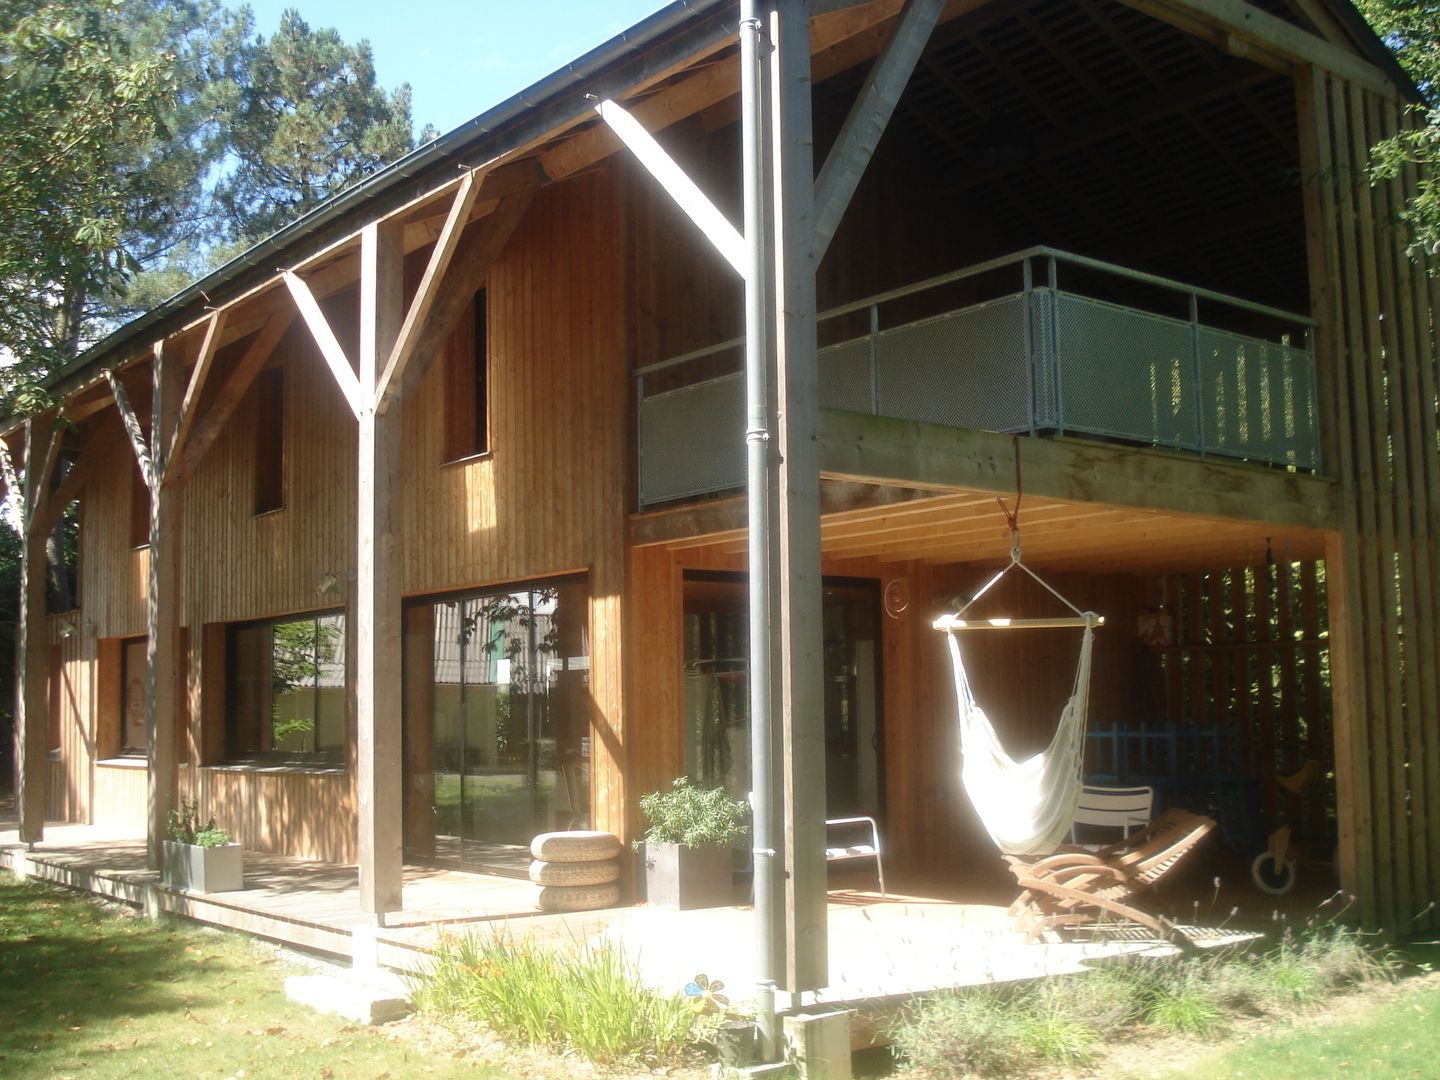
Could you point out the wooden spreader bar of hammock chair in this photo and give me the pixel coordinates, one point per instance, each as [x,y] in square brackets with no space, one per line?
[951,623]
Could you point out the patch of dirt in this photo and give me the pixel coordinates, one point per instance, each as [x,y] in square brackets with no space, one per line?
[1138,1057]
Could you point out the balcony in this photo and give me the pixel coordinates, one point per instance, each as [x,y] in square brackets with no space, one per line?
[1041,343]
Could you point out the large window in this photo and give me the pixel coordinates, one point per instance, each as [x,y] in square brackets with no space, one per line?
[286,690]
[497,722]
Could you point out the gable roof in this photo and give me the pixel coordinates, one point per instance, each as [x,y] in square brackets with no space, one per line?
[657,43]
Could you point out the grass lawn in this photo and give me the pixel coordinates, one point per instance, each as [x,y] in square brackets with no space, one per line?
[87,992]
[1397,1038]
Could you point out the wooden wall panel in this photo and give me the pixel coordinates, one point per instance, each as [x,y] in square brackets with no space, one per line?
[548,499]
[72,706]
[655,669]
[113,575]
[240,565]
[121,794]
[550,496]
[1377,361]
[291,811]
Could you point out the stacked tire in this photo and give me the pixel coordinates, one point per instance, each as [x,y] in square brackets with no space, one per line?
[576,871]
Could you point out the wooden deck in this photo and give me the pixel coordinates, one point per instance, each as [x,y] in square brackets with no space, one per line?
[882,949]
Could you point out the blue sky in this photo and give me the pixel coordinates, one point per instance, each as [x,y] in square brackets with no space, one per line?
[461,58]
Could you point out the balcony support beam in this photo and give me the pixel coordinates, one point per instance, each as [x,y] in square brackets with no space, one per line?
[907,453]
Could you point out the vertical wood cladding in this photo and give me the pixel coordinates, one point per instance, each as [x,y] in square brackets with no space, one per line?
[548,498]
[1376,353]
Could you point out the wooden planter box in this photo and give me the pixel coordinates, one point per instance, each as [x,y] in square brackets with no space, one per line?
[206,870]
[683,878]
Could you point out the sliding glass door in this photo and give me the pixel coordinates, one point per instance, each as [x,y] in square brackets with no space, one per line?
[717,704]
[497,723]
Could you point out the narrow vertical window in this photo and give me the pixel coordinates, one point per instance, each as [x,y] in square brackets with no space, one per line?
[139,509]
[270,441]
[133,677]
[466,391]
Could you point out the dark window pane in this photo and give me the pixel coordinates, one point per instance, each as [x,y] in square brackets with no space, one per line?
[466,369]
[133,676]
[139,509]
[270,441]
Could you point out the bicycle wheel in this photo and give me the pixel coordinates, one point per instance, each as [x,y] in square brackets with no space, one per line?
[1270,877]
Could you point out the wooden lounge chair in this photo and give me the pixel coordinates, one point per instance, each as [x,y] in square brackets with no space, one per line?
[1077,888]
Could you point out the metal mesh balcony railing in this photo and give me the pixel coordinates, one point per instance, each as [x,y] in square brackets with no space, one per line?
[1105,359]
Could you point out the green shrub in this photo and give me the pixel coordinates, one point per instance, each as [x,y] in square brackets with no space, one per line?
[956,1035]
[589,1000]
[693,817]
[1186,1006]
[987,1031]
[184,827]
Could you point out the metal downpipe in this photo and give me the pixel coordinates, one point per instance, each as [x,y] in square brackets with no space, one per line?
[757,444]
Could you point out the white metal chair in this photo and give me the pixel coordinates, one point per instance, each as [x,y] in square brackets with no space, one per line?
[864,850]
[1123,808]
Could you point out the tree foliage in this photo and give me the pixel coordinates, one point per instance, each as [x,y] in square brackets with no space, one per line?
[1411,29]
[143,141]
[71,89]
[309,121]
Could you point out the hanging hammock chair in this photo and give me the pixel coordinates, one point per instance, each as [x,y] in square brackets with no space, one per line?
[1026,806]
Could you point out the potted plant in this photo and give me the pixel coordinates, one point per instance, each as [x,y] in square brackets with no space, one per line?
[687,844]
[200,857]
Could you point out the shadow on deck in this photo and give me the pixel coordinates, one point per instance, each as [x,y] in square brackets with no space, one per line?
[882,949]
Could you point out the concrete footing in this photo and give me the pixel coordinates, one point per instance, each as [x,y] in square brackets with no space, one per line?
[376,998]
[819,1044]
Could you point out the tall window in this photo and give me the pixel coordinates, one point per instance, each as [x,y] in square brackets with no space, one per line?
[497,721]
[285,696]
[466,391]
[270,441]
[133,677]
[139,507]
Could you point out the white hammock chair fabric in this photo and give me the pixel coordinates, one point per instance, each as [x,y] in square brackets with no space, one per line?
[1026,806]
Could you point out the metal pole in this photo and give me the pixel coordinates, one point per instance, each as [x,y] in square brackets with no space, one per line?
[757,442]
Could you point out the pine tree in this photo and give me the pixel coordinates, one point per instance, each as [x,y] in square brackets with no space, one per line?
[309,122]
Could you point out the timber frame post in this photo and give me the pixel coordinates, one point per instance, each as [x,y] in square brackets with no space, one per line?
[377,582]
[397,346]
[163,466]
[32,656]
[797,512]
[796,215]
[164,684]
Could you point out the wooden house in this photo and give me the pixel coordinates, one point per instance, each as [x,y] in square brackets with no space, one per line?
[419,528]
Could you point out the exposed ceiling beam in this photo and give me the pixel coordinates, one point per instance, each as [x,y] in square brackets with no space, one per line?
[1246,31]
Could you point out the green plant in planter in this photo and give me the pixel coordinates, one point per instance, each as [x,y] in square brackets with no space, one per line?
[693,817]
[184,827]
